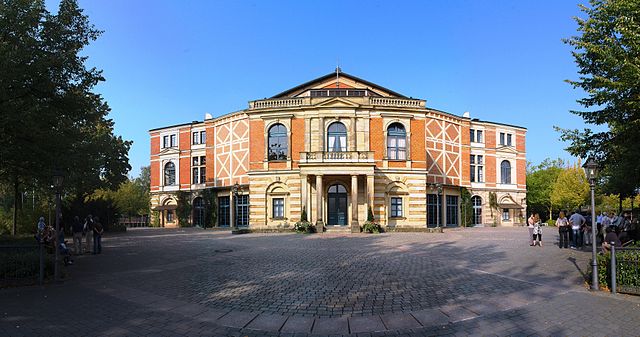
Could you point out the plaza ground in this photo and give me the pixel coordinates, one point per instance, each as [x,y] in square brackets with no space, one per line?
[476,281]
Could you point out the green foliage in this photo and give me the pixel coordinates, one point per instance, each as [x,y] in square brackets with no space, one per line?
[371,227]
[210,207]
[370,217]
[303,216]
[183,209]
[24,265]
[493,204]
[571,189]
[46,85]
[626,269]
[551,222]
[155,219]
[540,180]
[607,53]
[466,208]
[117,227]
[304,227]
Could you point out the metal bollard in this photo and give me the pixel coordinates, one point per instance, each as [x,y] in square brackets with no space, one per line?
[613,267]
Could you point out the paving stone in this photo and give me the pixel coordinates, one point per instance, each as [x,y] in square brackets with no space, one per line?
[236,319]
[457,313]
[331,325]
[430,317]
[268,322]
[366,324]
[400,321]
[298,324]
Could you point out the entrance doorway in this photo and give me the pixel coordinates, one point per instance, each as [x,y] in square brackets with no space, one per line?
[337,205]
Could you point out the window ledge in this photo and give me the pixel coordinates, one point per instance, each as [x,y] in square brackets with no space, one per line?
[397,218]
[278,219]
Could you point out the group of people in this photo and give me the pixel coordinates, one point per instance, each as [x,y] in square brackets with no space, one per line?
[90,230]
[576,231]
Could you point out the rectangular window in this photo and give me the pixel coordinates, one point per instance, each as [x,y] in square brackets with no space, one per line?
[501,138]
[195,176]
[203,160]
[165,142]
[195,138]
[452,210]
[242,210]
[433,210]
[170,215]
[223,212]
[505,214]
[278,208]
[203,137]
[174,141]
[476,169]
[472,135]
[479,136]
[508,139]
[396,207]
[203,175]
[195,161]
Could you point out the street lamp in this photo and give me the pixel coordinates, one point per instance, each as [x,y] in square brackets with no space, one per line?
[591,171]
[58,179]
[235,189]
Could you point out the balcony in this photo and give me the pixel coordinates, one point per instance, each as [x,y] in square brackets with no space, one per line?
[346,157]
[294,102]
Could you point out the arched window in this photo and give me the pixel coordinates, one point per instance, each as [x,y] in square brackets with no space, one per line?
[198,212]
[396,142]
[337,137]
[505,172]
[170,174]
[476,201]
[278,143]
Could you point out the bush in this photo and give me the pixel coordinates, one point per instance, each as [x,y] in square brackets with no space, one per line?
[117,227]
[626,272]
[551,222]
[371,227]
[304,226]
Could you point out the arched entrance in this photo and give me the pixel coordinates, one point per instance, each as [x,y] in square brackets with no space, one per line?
[337,205]
[198,212]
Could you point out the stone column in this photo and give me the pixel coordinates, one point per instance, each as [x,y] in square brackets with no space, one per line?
[232,210]
[322,136]
[354,142]
[355,226]
[303,195]
[319,190]
[443,208]
[370,192]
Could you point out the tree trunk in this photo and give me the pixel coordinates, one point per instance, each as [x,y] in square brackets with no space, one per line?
[14,230]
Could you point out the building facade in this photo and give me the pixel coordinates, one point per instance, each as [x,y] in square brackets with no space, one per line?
[335,147]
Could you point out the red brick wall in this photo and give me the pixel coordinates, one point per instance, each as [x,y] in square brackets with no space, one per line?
[418,153]
[490,170]
[520,141]
[256,139]
[185,172]
[522,173]
[210,130]
[297,139]
[466,154]
[376,139]
[185,138]
[155,175]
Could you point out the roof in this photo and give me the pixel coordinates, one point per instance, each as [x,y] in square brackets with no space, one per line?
[288,92]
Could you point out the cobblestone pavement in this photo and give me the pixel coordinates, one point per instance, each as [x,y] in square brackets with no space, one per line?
[479,281]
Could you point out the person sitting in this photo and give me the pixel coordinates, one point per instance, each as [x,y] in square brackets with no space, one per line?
[611,239]
[64,250]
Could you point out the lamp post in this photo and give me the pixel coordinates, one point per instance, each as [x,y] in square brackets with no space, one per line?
[438,188]
[591,171]
[235,189]
[58,179]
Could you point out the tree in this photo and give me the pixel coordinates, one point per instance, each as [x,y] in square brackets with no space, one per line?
[540,180]
[607,53]
[45,85]
[571,189]
[493,204]
[466,207]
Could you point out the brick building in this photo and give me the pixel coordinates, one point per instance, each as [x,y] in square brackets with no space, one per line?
[335,146]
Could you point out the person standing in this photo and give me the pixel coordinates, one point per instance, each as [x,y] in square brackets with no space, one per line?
[77,229]
[576,221]
[530,222]
[563,230]
[537,230]
[97,236]
[88,232]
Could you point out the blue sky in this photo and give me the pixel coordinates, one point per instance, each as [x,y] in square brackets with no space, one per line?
[170,62]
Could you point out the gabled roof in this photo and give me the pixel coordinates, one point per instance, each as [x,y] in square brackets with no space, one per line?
[338,73]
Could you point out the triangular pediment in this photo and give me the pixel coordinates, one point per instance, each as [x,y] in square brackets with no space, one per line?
[169,150]
[509,149]
[337,102]
[338,80]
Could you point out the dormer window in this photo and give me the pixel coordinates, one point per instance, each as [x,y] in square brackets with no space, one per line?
[336,92]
